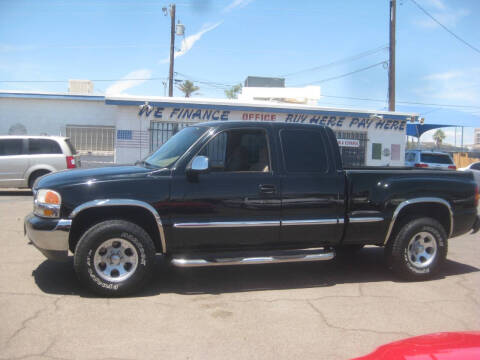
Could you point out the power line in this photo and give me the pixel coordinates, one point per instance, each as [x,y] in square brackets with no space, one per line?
[338,62]
[63,81]
[446,29]
[403,102]
[344,75]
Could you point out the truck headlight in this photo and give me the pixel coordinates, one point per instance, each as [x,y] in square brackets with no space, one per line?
[47,203]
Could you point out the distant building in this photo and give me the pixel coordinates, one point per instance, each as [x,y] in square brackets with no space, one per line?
[476,139]
[273,89]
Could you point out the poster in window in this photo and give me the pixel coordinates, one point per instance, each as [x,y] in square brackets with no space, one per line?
[376,151]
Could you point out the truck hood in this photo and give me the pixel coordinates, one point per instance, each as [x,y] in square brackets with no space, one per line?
[78,176]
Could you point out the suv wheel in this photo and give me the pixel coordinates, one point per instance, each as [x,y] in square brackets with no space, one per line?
[35,176]
[418,250]
[114,258]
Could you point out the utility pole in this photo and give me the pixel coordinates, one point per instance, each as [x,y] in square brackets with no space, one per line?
[391,63]
[172,49]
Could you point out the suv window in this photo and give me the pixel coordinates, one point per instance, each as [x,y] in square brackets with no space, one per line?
[11,147]
[238,150]
[43,146]
[410,157]
[303,151]
[436,159]
[70,146]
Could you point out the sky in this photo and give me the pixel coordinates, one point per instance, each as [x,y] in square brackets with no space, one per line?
[307,42]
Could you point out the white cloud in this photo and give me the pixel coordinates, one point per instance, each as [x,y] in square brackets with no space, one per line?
[189,41]
[236,4]
[439,4]
[132,79]
[444,76]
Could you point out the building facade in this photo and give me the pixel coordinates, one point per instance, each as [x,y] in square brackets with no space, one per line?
[131,127]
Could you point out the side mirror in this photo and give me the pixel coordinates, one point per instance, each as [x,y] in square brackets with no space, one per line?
[199,164]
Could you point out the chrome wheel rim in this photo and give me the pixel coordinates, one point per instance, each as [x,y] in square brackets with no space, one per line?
[115,260]
[422,249]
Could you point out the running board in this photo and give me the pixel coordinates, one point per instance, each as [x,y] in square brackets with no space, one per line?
[259,258]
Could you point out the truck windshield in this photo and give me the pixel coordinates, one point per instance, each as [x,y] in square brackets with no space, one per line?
[175,147]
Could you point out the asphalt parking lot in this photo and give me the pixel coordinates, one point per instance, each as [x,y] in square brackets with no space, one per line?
[331,310]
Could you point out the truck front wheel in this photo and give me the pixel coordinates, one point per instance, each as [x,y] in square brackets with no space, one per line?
[418,249]
[114,258]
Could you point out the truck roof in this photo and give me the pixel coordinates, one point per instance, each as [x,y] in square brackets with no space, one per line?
[245,124]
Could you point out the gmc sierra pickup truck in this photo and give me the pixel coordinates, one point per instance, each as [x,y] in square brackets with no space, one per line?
[231,193]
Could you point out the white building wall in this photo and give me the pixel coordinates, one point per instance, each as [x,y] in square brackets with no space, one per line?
[49,116]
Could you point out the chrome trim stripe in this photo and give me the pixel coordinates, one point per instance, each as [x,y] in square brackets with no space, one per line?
[365,219]
[124,202]
[224,224]
[311,222]
[416,201]
[229,224]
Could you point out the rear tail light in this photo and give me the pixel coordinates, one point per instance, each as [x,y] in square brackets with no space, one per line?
[452,167]
[421,165]
[71,162]
[476,195]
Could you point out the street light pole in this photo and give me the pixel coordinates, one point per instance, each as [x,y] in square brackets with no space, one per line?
[391,64]
[172,49]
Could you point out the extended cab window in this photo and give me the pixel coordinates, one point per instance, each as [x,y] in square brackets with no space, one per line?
[11,147]
[303,151]
[43,146]
[238,150]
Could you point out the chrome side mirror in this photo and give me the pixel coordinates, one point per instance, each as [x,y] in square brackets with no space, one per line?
[199,164]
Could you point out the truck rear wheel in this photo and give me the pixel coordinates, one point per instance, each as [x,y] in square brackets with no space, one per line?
[114,258]
[418,249]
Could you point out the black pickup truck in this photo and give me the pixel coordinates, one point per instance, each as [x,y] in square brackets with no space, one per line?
[230,193]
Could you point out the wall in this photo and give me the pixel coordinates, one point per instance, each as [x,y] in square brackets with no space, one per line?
[49,116]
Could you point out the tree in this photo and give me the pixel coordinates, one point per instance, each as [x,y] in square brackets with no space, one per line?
[232,93]
[188,88]
[439,136]
[17,129]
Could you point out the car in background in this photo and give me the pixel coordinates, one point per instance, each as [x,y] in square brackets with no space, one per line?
[475,169]
[429,159]
[23,159]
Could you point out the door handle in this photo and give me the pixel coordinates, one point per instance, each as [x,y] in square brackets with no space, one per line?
[267,189]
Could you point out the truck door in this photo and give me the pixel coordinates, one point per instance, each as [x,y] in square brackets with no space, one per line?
[312,189]
[236,204]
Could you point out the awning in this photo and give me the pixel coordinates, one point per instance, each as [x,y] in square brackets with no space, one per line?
[418,129]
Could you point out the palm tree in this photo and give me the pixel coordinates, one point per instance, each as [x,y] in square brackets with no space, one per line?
[439,136]
[232,93]
[188,88]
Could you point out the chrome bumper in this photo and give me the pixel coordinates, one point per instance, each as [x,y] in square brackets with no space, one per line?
[50,236]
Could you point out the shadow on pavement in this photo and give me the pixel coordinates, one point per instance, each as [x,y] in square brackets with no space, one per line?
[365,267]
[22,192]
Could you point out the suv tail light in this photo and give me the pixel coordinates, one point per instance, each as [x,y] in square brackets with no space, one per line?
[476,195]
[421,165]
[71,162]
[452,167]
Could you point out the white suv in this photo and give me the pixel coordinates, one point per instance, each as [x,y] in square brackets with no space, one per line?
[23,159]
[429,159]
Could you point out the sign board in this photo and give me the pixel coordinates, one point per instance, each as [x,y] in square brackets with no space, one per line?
[336,122]
[348,143]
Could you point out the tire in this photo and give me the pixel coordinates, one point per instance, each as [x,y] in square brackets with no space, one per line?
[35,176]
[114,258]
[418,250]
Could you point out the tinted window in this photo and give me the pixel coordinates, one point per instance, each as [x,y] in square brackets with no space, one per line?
[436,159]
[410,157]
[475,166]
[11,147]
[303,151]
[238,150]
[71,147]
[43,146]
